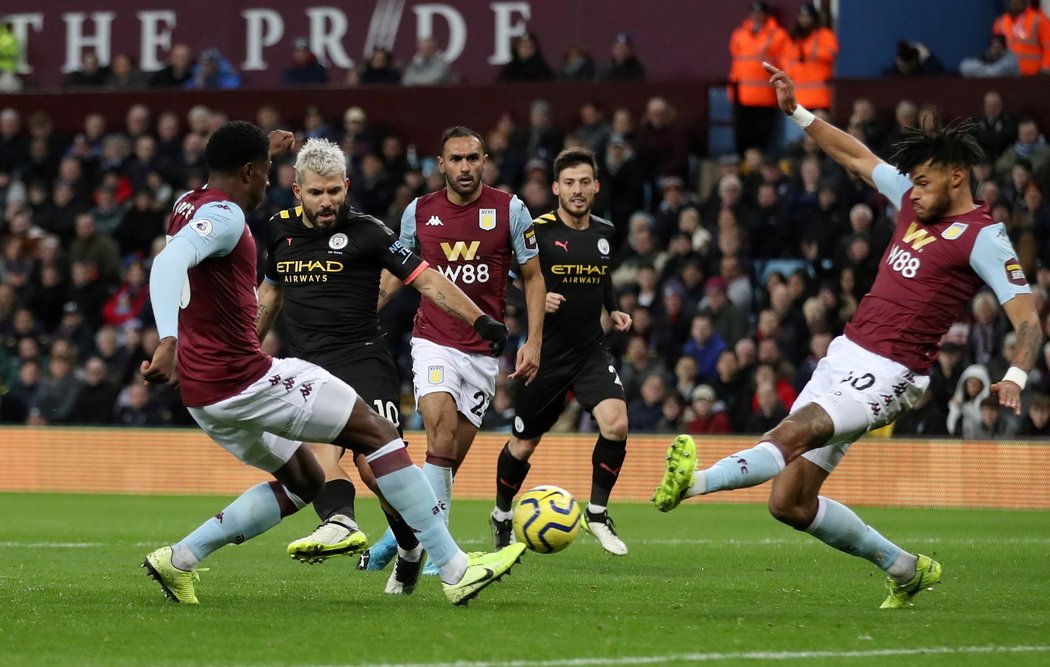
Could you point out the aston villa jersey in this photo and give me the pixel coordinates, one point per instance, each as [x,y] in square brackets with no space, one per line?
[473,246]
[928,274]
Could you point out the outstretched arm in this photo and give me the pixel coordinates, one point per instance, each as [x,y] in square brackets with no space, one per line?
[1025,320]
[841,146]
[450,298]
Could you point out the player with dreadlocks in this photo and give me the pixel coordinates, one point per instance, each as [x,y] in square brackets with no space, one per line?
[944,247]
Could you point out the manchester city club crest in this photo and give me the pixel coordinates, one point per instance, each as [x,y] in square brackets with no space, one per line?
[487,219]
[603,246]
[338,241]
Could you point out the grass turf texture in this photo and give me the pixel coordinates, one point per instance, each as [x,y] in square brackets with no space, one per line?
[718,583]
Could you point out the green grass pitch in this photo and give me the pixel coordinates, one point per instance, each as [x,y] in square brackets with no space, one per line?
[707,583]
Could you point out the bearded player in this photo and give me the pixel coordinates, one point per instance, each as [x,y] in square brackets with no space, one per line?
[944,249]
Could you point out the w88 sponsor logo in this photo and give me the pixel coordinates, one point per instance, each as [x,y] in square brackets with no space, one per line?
[903,262]
[466,274]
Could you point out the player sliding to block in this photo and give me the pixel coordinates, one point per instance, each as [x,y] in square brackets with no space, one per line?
[944,247]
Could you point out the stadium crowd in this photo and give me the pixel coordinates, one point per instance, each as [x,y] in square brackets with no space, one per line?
[737,270]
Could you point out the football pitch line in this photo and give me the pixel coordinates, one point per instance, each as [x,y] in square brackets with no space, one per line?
[723,657]
[799,540]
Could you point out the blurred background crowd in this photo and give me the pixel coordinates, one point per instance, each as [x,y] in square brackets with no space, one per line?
[738,269]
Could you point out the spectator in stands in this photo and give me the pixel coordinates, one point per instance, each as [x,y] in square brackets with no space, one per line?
[124,73]
[305,69]
[996,61]
[905,115]
[623,184]
[73,328]
[707,416]
[1027,33]
[1037,420]
[97,395]
[57,393]
[672,413]
[987,330]
[866,119]
[623,62]
[135,408]
[684,380]
[10,53]
[732,387]
[371,189]
[358,137]
[914,59]
[728,321]
[641,249]
[380,68]
[1030,145]
[705,344]
[662,143]
[769,410]
[927,419]
[16,403]
[738,282]
[177,72]
[593,129]
[428,66]
[541,140]
[576,63]
[645,411]
[809,58]
[46,295]
[638,360]
[964,413]
[130,301]
[213,70]
[760,38]
[993,424]
[98,250]
[90,75]
[526,62]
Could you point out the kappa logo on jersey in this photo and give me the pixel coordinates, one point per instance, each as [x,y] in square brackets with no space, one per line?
[435,222]
[203,227]
[453,251]
[918,238]
[955,231]
[436,374]
[1014,272]
[603,246]
[338,241]
[487,219]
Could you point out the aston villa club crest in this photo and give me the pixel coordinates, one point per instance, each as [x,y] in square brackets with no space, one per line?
[436,374]
[338,241]
[487,219]
[954,231]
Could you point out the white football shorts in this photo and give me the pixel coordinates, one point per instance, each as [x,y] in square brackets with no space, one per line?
[469,378]
[264,424]
[861,391]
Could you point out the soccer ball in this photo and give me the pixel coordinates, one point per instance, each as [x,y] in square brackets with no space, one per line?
[546,519]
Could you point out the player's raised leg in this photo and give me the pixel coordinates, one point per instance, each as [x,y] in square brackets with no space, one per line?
[405,488]
[255,511]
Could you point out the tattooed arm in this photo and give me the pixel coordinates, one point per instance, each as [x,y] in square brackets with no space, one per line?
[1025,320]
[271,299]
[444,293]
